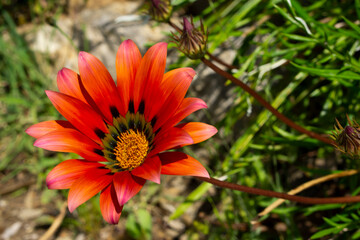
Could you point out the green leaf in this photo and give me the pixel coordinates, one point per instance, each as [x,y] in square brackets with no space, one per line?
[193,196]
[356,235]
[343,218]
[352,25]
[330,222]
[145,222]
[316,208]
[132,227]
[330,73]
[323,233]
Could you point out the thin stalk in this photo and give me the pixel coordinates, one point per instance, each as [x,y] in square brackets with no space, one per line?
[268,193]
[212,57]
[263,102]
[175,27]
[306,186]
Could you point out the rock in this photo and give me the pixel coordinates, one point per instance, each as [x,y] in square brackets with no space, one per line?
[29,213]
[11,231]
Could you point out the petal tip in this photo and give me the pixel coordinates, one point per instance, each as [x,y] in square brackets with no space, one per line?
[83,57]
[156,180]
[29,131]
[128,41]
[204,174]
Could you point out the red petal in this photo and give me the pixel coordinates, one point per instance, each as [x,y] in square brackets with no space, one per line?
[127,186]
[79,114]
[149,170]
[68,83]
[65,173]
[198,131]
[169,139]
[99,84]
[111,213]
[178,163]
[149,76]
[188,106]
[70,140]
[177,82]
[42,128]
[87,186]
[128,59]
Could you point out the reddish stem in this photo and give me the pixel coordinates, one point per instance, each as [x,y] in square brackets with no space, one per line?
[175,27]
[268,193]
[220,61]
[263,102]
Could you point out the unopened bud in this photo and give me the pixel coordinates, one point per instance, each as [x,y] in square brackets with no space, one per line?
[160,10]
[192,42]
[347,140]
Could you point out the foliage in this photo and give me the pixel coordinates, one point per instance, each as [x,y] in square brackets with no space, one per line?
[302,57]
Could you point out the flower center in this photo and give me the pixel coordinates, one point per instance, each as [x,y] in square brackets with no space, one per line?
[131,149]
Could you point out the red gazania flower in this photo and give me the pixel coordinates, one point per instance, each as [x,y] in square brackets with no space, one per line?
[121,131]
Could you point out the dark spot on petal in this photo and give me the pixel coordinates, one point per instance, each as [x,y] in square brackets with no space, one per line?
[138,126]
[112,156]
[157,131]
[112,143]
[99,133]
[131,124]
[114,112]
[153,121]
[131,107]
[99,152]
[110,173]
[114,135]
[147,132]
[122,127]
[142,107]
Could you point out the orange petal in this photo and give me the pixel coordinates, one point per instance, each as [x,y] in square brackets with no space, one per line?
[87,186]
[68,83]
[178,163]
[177,82]
[127,186]
[100,85]
[198,131]
[42,128]
[110,212]
[188,106]
[149,76]
[70,140]
[171,138]
[149,170]
[128,59]
[66,172]
[79,114]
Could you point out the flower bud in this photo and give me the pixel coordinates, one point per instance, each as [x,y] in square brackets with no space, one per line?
[347,140]
[192,42]
[160,10]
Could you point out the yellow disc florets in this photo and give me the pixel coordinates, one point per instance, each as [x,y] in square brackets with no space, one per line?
[131,149]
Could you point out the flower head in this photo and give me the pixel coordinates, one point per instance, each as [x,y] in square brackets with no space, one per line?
[121,131]
[347,140]
[160,10]
[192,42]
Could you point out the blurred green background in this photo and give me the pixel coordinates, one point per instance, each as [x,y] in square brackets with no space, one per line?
[301,56]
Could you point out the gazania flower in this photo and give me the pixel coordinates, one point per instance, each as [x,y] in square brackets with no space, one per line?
[123,131]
